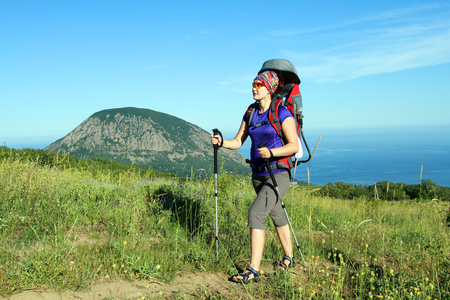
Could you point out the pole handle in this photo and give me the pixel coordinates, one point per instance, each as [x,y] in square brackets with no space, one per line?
[216,147]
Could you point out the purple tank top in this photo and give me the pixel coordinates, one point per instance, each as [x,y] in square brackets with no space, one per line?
[269,136]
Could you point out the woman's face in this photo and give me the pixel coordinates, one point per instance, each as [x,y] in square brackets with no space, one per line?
[259,91]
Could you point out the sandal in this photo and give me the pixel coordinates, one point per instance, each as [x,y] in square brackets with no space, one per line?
[245,276]
[283,267]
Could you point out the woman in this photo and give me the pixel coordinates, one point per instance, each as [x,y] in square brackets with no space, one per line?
[264,86]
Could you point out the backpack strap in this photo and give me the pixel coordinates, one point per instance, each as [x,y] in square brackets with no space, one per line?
[273,116]
[250,111]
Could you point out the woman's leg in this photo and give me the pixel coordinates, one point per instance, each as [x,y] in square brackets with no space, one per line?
[284,234]
[257,239]
[279,218]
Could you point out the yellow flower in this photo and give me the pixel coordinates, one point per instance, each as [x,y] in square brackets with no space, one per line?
[124,243]
[158,267]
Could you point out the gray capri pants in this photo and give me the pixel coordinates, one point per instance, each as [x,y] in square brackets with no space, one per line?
[266,202]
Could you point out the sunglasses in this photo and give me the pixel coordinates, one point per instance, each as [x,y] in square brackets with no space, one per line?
[257,85]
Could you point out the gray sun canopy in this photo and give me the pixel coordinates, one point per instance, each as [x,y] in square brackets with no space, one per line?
[285,67]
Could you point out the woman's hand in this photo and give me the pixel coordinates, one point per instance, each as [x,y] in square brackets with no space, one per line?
[216,140]
[265,152]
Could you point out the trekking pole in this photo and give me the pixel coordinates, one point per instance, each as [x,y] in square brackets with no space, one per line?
[277,192]
[216,147]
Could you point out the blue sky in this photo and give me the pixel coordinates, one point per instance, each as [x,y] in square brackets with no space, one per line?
[364,65]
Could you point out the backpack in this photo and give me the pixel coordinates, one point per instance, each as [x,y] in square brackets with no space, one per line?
[290,97]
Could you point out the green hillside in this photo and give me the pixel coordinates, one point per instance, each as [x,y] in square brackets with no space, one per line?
[68,225]
[147,138]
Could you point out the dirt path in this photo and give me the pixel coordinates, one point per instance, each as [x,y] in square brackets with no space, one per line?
[186,284]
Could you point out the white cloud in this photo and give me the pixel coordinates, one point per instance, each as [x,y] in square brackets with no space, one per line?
[387,42]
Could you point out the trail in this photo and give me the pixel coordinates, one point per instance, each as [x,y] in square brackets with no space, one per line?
[188,285]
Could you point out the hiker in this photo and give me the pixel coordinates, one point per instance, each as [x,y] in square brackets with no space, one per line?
[266,203]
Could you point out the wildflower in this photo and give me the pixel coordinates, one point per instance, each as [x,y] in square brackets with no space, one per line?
[332,231]
[114,266]
[158,267]
[124,243]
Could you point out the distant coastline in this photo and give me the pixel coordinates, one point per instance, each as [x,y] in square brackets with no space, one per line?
[354,156]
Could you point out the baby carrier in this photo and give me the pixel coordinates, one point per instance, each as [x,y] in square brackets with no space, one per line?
[291,98]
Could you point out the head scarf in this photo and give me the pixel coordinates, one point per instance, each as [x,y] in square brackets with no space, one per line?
[269,79]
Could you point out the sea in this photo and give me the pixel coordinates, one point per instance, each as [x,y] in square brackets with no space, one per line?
[367,156]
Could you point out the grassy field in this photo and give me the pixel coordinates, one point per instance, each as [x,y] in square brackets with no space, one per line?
[66,227]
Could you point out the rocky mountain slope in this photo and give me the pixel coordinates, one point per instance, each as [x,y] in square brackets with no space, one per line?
[147,138]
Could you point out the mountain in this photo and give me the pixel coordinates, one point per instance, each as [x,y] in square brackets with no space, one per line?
[147,138]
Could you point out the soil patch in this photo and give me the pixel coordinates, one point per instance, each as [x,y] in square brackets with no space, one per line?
[186,284]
